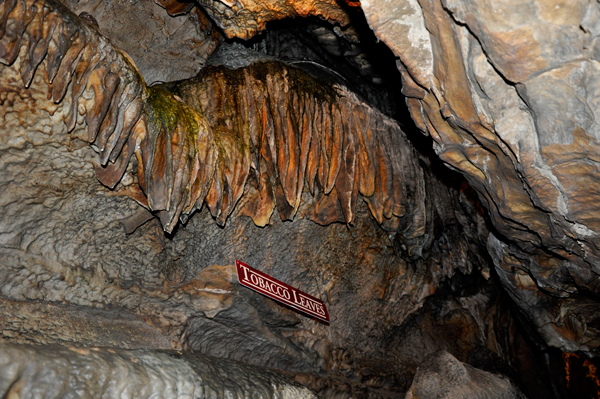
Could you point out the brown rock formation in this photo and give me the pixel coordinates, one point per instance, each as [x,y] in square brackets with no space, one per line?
[488,83]
[245,18]
[297,129]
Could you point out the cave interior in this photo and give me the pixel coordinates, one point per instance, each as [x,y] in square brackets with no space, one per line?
[424,168]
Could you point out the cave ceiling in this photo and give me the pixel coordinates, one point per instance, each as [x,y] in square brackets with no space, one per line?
[426,168]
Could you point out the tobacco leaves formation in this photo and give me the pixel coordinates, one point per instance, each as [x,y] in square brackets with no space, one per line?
[267,132]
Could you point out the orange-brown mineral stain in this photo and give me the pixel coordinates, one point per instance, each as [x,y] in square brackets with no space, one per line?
[593,375]
[351,3]
[567,359]
[590,370]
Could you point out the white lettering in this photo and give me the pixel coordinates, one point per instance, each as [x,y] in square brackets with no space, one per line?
[245,272]
[320,309]
[281,292]
[261,282]
[254,279]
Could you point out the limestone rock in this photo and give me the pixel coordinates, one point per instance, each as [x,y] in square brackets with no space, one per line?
[507,91]
[63,244]
[245,18]
[443,376]
[275,128]
[164,48]
[263,139]
[28,371]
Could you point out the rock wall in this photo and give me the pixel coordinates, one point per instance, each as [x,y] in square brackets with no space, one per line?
[71,274]
[443,376]
[507,92]
[166,48]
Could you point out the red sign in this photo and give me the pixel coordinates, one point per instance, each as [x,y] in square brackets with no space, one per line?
[275,289]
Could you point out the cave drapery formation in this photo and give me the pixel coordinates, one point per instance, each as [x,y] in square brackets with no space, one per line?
[431,276]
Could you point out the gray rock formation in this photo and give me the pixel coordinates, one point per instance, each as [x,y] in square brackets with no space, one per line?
[58,372]
[164,48]
[442,376]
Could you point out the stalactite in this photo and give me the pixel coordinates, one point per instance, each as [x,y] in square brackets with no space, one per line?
[268,131]
[307,133]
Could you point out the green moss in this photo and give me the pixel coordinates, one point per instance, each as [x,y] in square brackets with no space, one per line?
[170,112]
[167,112]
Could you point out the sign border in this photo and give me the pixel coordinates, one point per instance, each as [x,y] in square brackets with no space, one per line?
[290,303]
